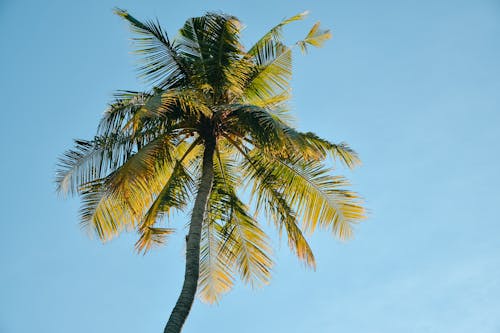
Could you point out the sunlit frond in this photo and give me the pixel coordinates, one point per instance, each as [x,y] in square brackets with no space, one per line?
[316,37]
[236,242]
[247,244]
[117,202]
[174,195]
[277,208]
[216,275]
[341,152]
[275,33]
[318,197]
[244,241]
[97,214]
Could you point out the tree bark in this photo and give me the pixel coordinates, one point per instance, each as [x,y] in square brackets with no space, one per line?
[188,292]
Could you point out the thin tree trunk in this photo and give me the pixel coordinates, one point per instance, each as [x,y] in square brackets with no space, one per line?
[186,298]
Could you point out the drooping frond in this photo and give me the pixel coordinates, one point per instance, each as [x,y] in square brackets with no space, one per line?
[123,196]
[268,189]
[341,152]
[174,195]
[236,242]
[278,210]
[216,275]
[91,160]
[97,213]
[243,239]
[318,198]
[142,171]
[246,242]
[152,237]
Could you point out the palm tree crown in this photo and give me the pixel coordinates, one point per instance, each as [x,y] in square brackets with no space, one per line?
[215,120]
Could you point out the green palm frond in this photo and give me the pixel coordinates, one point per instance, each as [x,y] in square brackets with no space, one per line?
[272,74]
[341,152]
[275,33]
[90,160]
[174,195]
[118,114]
[236,243]
[212,46]
[244,241]
[261,126]
[168,110]
[216,272]
[141,170]
[161,62]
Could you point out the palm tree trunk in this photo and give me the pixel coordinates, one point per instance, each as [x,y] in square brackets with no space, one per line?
[186,298]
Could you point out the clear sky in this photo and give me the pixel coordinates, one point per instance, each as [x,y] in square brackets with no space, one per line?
[413,86]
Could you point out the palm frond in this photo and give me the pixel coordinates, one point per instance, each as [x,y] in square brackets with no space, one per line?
[236,242]
[175,194]
[91,160]
[275,33]
[247,243]
[272,74]
[318,198]
[216,275]
[341,152]
[101,213]
[121,198]
[211,44]
[117,115]
[216,271]
[316,37]
[278,210]
[152,237]
[161,62]
[244,241]
[257,123]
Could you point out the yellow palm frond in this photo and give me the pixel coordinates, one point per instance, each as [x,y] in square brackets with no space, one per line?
[316,37]
[318,198]
[174,195]
[216,275]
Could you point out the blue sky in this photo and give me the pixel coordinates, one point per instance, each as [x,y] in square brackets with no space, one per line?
[413,86]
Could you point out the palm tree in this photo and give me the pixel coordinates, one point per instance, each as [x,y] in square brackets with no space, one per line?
[214,120]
